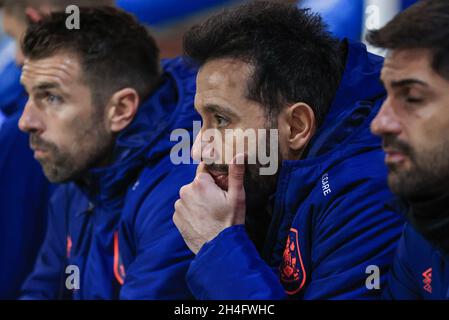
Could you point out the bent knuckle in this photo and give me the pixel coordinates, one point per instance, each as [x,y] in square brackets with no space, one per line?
[178,206]
[183,192]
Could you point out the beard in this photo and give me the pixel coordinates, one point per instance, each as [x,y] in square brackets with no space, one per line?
[89,149]
[428,174]
[259,191]
[425,187]
[258,187]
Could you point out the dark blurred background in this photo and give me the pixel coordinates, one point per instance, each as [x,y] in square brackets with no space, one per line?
[169,19]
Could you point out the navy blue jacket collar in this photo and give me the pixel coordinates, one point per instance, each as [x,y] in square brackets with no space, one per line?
[344,134]
[350,109]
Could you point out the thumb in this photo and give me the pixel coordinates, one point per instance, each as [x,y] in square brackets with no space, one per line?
[236,190]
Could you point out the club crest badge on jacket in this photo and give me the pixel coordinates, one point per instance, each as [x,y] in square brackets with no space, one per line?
[293,275]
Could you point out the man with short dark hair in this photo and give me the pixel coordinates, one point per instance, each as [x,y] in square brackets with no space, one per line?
[413,123]
[321,226]
[22,223]
[99,116]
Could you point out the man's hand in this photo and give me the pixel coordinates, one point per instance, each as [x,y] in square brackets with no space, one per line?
[204,209]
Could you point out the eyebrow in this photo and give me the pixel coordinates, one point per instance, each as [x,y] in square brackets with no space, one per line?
[46,86]
[213,108]
[408,82]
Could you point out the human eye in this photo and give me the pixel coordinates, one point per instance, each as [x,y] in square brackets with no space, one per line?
[221,120]
[53,99]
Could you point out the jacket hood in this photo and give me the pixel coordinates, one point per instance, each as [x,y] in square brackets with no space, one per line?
[358,89]
[344,134]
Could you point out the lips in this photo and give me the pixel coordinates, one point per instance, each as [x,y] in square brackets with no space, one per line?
[394,157]
[38,152]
